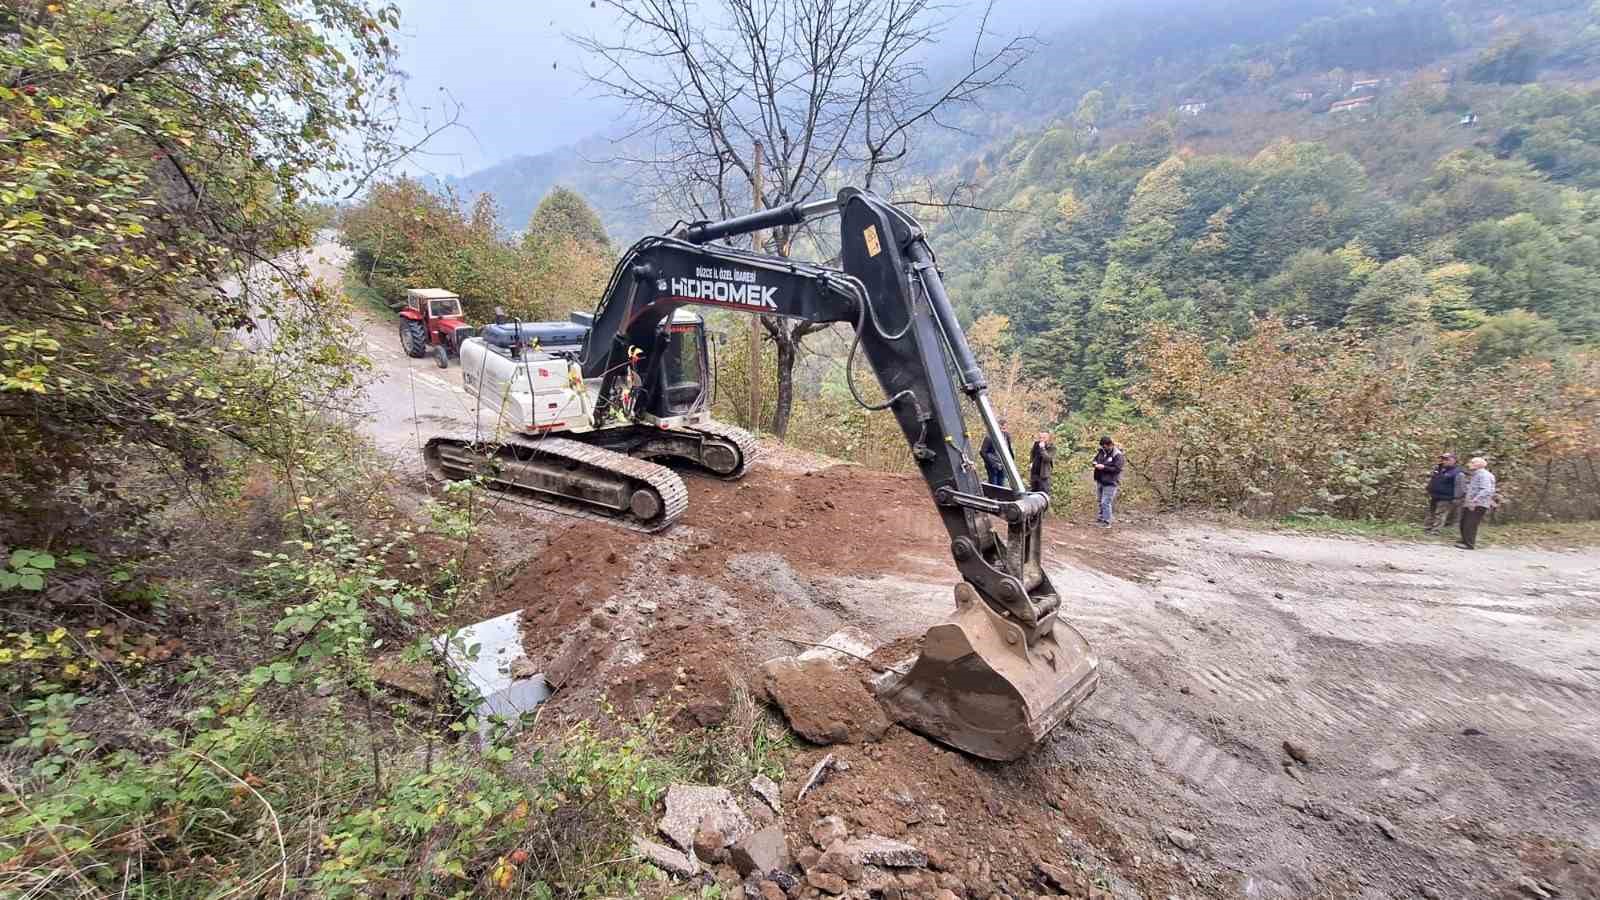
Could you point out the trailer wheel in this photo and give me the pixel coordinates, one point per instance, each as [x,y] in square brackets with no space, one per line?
[413,338]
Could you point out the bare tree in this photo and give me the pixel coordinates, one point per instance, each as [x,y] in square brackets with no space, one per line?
[833,89]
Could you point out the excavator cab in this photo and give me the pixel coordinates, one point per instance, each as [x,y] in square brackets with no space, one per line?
[678,379]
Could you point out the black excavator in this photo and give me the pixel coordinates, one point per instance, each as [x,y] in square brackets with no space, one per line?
[994,677]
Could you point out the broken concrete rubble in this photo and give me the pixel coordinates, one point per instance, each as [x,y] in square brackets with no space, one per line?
[763,851]
[665,858]
[767,790]
[689,805]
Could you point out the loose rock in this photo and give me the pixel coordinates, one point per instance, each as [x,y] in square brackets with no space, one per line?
[826,882]
[1532,888]
[665,858]
[1057,877]
[839,860]
[874,850]
[1297,753]
[1387,827]
[807,857]
[824,703]
[828,829]
[762,851]
[709,842]
[688,805]
[1181,839]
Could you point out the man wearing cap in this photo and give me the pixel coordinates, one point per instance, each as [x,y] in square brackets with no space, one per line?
[1107,476]
[1446,489]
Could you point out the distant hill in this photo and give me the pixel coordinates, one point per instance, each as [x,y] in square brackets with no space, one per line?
[519,183]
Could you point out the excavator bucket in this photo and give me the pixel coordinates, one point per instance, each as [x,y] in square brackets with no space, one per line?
[980,687]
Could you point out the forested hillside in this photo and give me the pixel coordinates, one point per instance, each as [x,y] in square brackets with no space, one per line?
[1449,197]
[588,166]
[1332,253]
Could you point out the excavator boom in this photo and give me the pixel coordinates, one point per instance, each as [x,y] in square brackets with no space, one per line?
[1004,670]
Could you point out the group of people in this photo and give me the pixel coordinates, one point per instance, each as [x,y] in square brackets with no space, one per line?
[1108,463]
[1456,494]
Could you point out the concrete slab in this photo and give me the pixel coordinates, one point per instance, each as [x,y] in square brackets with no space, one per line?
[488,657]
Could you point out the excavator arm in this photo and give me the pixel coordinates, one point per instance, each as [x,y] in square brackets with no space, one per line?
[1005,669]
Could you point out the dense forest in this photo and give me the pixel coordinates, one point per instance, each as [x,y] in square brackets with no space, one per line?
[1453,203]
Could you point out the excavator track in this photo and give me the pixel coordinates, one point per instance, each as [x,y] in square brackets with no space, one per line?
[748,446]
[567,477]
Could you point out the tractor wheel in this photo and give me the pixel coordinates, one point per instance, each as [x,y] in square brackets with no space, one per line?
[441,356]
[413,338]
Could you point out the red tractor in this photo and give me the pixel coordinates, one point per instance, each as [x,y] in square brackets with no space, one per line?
[431,317]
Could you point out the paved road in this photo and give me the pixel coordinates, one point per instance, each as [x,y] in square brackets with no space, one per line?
[408,399]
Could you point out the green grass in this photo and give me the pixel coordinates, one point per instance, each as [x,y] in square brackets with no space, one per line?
[1533,534]
[366,296]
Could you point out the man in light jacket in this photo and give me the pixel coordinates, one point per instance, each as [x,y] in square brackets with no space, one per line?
[1447,487]
[1476,504]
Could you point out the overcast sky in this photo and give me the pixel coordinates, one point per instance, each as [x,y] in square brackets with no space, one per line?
[519,80]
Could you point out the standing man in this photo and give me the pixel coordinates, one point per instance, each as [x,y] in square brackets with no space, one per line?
[1107,475]
[992,461]
[1480,497]
[1041,461]
[1446,489]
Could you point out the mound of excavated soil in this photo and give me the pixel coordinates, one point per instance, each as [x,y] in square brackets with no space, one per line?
[681,615]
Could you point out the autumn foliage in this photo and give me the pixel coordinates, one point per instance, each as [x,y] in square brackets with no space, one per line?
[1293,420]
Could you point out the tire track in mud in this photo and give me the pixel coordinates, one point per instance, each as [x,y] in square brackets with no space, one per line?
[1449,701]
[1177,747]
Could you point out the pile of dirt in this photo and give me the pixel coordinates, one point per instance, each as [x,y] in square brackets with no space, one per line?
[680,619]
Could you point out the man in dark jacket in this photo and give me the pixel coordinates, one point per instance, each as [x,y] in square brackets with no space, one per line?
[1041,461]
[1107,476]
[1446,488]
[993,463]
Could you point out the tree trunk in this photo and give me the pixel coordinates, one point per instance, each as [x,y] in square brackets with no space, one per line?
[787,335]
[785,400]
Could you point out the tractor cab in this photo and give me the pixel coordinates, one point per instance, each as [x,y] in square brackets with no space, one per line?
[678,379]
[432,318]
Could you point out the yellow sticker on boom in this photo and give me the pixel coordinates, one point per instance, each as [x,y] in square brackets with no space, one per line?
[871,235]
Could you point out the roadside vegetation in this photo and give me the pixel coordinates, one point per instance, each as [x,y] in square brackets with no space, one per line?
[402,235]
[202,569]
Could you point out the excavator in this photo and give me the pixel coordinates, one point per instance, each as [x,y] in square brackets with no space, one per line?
[602,398]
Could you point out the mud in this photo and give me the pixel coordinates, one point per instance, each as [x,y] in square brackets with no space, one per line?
[1448,704]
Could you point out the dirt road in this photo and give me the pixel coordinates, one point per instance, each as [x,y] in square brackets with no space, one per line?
[1280,715]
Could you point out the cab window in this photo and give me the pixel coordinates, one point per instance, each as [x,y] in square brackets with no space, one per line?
[441,308]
